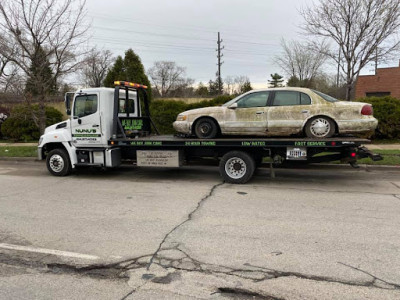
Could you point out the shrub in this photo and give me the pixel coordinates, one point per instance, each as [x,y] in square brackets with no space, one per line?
[4,113]
[387,111]
[20,126]
[164,112]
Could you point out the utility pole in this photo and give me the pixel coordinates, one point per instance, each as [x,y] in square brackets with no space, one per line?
[219,56]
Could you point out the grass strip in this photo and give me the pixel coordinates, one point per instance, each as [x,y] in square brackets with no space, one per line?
[18,151]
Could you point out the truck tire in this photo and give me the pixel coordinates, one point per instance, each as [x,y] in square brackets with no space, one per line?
[237,167]
[58,162]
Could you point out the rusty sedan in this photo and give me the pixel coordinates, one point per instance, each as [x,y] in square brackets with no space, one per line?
[279,112]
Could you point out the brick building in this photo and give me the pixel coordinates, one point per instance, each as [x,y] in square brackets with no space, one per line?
[385,82]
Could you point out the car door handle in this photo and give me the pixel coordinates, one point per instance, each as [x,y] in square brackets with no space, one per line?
[259,112]
[95,125]
[305,111]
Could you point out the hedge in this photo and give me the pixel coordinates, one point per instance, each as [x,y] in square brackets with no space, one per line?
[164,112]
[20,126]
[387,111]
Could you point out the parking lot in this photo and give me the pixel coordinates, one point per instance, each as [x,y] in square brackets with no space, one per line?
[314,232]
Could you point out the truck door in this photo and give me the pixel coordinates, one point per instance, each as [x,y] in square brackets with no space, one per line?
[85,123]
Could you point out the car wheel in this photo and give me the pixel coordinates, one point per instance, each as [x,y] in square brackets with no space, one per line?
[237,167]
[58,162]
[206,129]
[320,127]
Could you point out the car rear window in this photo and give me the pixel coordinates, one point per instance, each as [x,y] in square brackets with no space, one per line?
[326,97]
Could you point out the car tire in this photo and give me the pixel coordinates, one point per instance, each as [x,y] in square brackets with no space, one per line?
[206,129]
[237,167]
[58,162]
[320,127]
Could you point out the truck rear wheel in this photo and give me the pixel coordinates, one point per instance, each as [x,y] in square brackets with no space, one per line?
[237,167]
[58,162]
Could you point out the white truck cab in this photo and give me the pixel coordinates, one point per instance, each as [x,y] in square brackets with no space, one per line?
[83,139]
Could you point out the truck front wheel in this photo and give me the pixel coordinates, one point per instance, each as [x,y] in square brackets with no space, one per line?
[237,167]
[58,162]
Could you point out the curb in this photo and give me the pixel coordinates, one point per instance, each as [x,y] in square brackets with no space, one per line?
[5,158]
[362,166]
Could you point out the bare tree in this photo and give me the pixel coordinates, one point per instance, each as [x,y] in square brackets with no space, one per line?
[95,67]
[229,85]
[240,84]
[301,61]
[42,38]
[364,30]
[167,76]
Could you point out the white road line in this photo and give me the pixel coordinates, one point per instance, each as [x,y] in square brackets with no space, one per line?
[48,251]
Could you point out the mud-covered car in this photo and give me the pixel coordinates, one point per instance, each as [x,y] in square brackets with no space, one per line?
[279,112]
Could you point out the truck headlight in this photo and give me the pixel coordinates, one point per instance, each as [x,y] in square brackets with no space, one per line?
[181,118]
[40,140]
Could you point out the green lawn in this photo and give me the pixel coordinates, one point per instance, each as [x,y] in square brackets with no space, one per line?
[390,157]
[18,151]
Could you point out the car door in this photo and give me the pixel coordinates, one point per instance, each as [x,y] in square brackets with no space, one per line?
[287,112]
[85,123]
[248,115]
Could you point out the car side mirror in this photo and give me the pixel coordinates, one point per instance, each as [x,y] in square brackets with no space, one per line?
[233,106]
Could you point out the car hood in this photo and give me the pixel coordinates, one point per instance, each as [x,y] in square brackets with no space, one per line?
[204,110]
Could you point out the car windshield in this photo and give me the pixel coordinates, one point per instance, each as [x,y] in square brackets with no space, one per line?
[326,97]
[231,101]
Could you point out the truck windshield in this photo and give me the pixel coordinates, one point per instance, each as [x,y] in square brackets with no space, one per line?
[85,105]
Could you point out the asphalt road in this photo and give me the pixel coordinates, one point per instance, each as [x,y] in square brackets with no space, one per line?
[318,232]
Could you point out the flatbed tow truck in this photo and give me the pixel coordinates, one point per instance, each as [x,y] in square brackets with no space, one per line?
[111,126]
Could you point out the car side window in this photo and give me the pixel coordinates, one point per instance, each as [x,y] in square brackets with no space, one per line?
[258,99]
[305,99]
[85,105]
[286,98]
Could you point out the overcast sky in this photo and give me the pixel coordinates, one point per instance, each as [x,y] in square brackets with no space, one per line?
[185,31]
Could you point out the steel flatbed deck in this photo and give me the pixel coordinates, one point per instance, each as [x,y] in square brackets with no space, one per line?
[176,141]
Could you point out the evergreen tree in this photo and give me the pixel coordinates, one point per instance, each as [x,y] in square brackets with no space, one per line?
[129,68]
[213,88]
[276,80]
[246,87]
[40,77]
[201,90]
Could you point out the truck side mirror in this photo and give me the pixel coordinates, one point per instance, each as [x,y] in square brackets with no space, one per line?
[233,106]
[69,97]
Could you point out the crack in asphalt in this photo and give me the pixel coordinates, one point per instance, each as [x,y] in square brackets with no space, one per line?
[396,185]
[246,293]
[371,283]
[189,218]
[331,191]
[375,279]
[134,291]
[182,261]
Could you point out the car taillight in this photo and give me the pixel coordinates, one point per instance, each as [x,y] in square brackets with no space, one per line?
[367,110]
